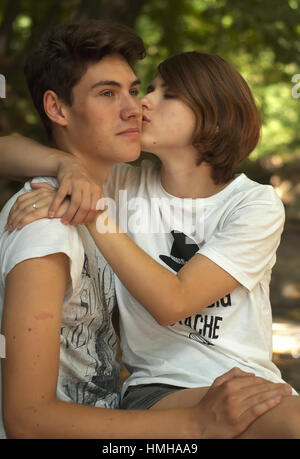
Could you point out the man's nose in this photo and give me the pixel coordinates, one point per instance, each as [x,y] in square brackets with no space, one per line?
[132,108]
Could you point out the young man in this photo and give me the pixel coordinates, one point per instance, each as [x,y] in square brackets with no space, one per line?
[60,375]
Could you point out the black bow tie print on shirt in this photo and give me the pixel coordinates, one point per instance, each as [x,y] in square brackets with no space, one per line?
[183,249]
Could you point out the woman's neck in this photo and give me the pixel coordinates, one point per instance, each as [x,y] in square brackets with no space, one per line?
[184,179]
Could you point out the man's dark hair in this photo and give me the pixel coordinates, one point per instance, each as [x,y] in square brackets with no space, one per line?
[65,52]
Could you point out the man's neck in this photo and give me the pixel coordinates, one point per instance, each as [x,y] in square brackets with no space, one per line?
[98,168]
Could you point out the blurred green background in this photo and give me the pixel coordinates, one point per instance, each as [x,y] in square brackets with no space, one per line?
[260,37]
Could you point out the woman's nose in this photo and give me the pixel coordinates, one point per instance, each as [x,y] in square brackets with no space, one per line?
[146,102]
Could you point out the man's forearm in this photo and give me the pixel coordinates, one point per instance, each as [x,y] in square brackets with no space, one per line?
[23,157]
[67,420]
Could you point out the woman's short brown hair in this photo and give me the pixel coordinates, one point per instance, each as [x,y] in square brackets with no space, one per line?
[65,51]
[228,121]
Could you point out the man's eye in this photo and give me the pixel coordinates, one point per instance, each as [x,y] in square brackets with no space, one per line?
[134,92]
[107,93]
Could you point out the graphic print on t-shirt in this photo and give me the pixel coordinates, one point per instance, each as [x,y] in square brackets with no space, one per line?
[182,250]
[204,326]
[88,333]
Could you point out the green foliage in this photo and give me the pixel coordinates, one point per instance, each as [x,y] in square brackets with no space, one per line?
[260,37]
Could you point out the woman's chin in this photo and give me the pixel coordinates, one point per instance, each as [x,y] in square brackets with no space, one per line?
[149,147]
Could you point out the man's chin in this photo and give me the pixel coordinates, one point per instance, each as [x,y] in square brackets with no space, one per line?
[131,155]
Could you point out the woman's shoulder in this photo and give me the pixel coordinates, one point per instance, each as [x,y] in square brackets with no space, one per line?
[249,191]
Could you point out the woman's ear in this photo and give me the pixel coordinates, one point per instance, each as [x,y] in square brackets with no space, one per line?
[54,108]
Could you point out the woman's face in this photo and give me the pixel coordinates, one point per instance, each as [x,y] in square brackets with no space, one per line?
[168,123]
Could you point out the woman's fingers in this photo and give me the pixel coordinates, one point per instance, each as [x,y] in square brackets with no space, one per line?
[75,204]
[63,191]
[36,204]
[20,203]
[83,210]
[42,185]
[27,214]
[82,189]
[29,207]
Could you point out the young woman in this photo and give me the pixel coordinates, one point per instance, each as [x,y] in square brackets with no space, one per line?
[204,245]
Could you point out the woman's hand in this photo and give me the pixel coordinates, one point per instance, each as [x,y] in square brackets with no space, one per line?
[84,192]
[37,204]
[32,206]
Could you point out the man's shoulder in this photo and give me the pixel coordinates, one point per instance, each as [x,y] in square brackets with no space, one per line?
[37,239]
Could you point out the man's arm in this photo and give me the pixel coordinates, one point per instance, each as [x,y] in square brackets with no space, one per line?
[31,325]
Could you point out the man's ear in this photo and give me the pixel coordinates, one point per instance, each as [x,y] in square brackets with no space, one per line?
[54,108]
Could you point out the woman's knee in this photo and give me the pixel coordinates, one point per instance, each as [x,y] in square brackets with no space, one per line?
[281,422]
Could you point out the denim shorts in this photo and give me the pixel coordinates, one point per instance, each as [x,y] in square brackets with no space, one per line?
[143,396]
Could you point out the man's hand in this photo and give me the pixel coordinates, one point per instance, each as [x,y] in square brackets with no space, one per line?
[235,400]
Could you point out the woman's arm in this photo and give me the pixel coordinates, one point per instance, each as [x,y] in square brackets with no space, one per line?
[167,296]
[22,157]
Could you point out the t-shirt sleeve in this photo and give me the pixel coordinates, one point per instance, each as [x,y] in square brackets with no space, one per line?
[39,239]
[246,245]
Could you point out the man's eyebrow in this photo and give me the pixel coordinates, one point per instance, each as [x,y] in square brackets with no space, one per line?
[114,83]
[136,82]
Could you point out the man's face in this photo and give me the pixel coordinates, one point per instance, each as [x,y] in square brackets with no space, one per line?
[105,118]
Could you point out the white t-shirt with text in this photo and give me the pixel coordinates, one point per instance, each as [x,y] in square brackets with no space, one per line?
[239,229]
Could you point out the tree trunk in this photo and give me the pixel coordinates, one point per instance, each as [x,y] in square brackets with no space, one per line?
[10,14]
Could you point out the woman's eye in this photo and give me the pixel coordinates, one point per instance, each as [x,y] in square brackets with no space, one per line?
[169,96]
[150,89]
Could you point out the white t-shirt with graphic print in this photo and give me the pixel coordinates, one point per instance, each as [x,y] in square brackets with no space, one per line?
[239,229]
[88,370]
